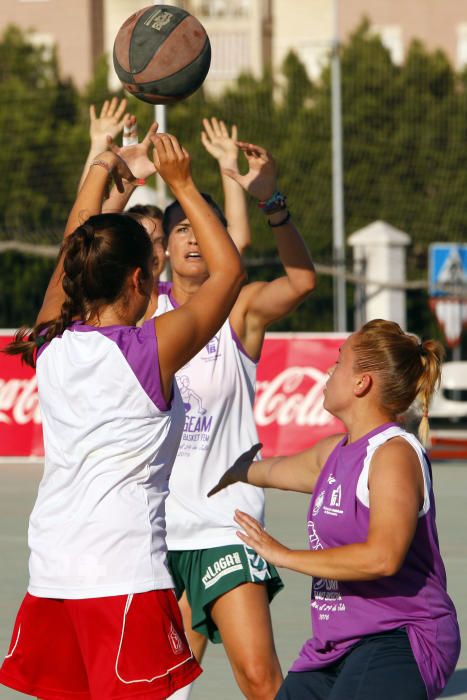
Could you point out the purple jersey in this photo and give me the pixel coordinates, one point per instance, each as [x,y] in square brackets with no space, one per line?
[415,598]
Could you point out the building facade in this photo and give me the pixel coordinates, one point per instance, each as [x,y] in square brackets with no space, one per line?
[246,35]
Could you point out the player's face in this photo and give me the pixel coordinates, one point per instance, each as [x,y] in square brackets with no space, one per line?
[159,243]
[339,389]
[185,257]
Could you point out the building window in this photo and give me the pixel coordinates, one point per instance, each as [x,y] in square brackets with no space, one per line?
[230,55]
[225,8]
[462,45]
[391,38]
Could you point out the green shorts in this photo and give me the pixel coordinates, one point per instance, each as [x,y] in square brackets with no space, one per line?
[206,574]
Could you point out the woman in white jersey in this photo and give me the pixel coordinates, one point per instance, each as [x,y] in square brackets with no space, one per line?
[224,589]
[100,620]
[383,624]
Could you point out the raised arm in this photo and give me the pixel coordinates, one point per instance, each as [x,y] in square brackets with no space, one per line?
[183,332]
[110,122]
[106,166]
[262,303]
[223,147]
[396,497]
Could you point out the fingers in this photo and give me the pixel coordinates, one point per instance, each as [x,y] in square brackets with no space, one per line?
[210,127]
[168,147]
[253,151]
[113,108]
[118,182]
[119,111]
[253,451]
[104,109]
[152,131]
[234,134]
[223,130]
[130,129]
[252,533]
[92,113]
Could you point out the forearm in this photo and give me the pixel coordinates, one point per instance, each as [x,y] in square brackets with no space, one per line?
[117,201]
[95,149]
[268,473]
[89,199]
[353,562]
[236,213]
[294,254]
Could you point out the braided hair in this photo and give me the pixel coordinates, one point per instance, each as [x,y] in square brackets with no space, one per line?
[97,258]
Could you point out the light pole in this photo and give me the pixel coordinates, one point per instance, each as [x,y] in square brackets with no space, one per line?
[338,246]
[160,115]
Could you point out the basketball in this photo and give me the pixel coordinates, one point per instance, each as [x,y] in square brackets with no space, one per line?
[161,54]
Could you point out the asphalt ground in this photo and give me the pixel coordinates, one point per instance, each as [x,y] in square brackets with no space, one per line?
[286,516]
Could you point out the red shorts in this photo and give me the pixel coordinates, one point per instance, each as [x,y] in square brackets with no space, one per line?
[99,648]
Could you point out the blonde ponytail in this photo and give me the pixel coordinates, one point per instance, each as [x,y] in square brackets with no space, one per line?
[431,355]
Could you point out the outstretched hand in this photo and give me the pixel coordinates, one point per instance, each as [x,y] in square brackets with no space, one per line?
[171,160]
[110,122]
[261,179]
[136,156]
[217,141]
[255,536]
[238,471]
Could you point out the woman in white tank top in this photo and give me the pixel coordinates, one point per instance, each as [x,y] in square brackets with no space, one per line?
[99,601]
[217,388]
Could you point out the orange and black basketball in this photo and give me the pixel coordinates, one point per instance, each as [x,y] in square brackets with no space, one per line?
[161,54]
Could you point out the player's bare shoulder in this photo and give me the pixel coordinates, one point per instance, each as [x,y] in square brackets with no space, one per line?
[325,447]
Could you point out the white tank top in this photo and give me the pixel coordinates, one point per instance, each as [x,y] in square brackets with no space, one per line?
[98,525]
[217,388]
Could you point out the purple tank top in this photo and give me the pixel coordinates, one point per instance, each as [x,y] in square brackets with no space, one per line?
[415,598]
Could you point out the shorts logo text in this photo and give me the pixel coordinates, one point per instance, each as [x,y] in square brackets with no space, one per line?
[222,567]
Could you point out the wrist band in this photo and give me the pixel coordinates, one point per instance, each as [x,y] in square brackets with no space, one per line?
[281,223]
[103,164]
[276,202]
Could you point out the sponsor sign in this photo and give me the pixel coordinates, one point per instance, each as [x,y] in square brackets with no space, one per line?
[20,419]
[288,410]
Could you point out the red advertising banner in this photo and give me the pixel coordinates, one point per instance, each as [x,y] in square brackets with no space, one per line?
[20,419]
[288,410]
[289,396]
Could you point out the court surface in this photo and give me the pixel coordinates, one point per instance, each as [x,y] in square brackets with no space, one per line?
[286,514]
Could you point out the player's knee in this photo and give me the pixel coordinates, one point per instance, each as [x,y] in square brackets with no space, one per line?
[261,679]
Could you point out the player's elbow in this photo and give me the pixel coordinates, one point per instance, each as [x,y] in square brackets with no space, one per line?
[385,563]
[304,283]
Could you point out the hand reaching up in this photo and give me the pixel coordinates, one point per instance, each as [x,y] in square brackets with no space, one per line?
[172,161]
[217,141]
[261,179]
[110,122]
[136,156]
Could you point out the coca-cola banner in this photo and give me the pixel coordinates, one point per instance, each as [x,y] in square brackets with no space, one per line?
[20,420]
[289,400]
[289,405]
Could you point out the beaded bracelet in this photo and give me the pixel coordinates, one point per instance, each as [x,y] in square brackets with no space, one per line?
[276,202]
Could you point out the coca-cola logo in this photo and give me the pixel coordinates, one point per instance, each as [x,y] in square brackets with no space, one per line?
[293,396]
[19,401]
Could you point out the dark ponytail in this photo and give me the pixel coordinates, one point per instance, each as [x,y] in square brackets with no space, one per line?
[97,259]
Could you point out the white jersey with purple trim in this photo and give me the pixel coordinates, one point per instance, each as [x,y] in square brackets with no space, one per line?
[98,525]
[217,388]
